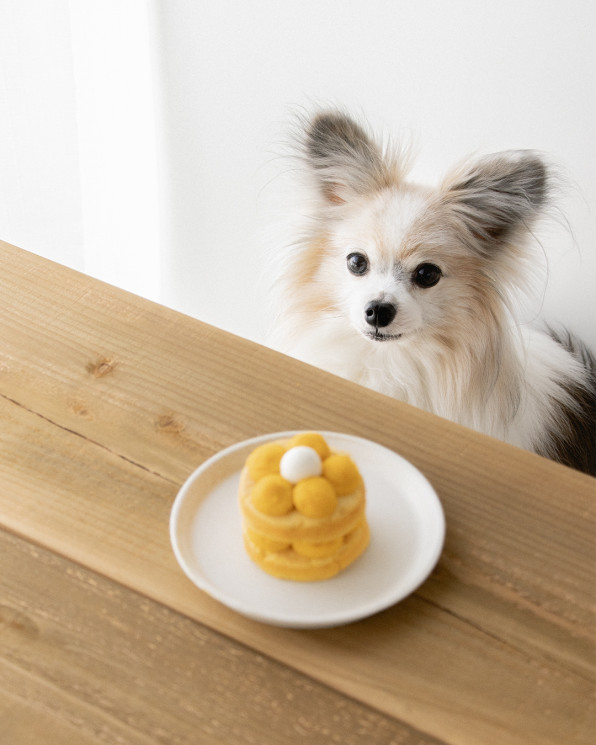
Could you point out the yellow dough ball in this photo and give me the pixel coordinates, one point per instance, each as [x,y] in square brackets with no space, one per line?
[272,495]
[265,543]
[312,440]
[342,473]
[317,550]
[315,497]
[264,460]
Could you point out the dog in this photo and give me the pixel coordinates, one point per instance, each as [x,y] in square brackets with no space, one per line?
[411,290]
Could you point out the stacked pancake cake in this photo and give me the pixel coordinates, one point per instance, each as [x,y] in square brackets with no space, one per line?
[303,508]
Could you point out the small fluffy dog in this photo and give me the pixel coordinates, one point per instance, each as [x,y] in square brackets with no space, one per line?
[410,291]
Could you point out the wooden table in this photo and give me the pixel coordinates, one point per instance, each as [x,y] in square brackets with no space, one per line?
[108,402]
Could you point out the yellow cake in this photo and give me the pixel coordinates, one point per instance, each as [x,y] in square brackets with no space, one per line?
[303,508]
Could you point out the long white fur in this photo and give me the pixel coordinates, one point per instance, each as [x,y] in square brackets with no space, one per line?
[461,352]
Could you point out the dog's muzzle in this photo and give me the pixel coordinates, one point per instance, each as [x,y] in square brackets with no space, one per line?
[379,315]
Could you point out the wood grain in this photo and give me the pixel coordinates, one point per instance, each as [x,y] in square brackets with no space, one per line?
[104,665]
[108,402]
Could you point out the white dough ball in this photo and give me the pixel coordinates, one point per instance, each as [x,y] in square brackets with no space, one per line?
[300,463]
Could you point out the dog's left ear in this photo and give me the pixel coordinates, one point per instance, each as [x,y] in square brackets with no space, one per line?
[499,195]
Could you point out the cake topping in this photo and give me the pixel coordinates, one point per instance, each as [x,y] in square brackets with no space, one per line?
[315,497]
[265,460]
[299,463]
[342,472]
[272,495]
[312,440]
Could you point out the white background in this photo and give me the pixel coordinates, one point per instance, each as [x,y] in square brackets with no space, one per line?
[140,139]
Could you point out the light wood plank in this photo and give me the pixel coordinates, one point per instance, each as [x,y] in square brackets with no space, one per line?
[441,672]
[100,664]
[118,400]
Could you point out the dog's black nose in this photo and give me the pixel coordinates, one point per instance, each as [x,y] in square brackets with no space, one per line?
[379,314]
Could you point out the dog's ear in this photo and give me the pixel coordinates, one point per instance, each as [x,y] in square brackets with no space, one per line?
[345,160]
[499,195]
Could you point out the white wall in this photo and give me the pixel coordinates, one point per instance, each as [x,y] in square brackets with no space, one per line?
[138,138]
[117,148]
[458,76]
[78,168]
[40,201]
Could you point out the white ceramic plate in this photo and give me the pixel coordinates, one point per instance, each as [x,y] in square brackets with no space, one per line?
[407,532]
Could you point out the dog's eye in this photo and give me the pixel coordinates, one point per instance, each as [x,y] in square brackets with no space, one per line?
[427,275]
[357,263]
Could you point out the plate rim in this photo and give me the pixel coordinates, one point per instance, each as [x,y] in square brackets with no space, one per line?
[331,619]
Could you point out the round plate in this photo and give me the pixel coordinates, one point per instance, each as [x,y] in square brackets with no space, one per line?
[407,531]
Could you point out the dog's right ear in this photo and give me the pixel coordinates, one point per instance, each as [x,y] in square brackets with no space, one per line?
[345,160]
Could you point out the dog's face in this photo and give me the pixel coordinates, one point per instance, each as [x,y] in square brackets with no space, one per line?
[399,261]
[388,281]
